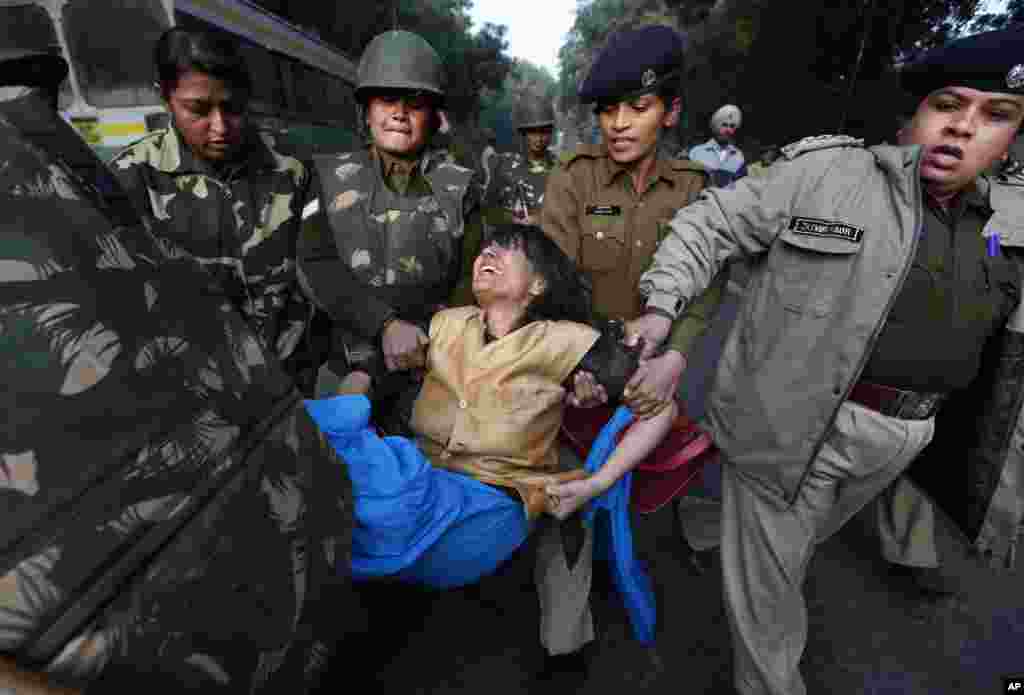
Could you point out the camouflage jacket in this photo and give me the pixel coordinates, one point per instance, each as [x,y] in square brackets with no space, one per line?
[171,519]
[241,224]
[370,253]
[518,186]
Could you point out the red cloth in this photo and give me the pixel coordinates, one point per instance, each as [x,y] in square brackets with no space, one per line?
[666,473]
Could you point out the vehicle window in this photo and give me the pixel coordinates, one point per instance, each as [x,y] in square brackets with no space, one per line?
[267,88]
[115,73]
[339,100]
[30,27]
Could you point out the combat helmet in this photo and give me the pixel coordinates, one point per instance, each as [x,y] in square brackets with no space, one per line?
[400,60]
[534,113]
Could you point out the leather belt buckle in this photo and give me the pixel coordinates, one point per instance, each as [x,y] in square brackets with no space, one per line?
[894,402]
[917,406]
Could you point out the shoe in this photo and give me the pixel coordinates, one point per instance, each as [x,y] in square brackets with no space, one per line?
[699,562]
[562,672]
[929,582]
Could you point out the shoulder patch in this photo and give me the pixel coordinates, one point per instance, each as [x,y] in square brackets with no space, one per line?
[819,142]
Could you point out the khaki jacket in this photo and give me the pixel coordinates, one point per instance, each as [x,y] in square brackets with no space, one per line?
[832,231]
[493,410]
[610,232]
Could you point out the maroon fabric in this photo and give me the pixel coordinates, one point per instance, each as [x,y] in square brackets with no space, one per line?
[666,473]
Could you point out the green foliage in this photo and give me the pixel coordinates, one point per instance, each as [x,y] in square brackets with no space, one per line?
[795,67]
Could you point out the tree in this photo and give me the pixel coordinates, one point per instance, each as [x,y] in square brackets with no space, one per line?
[812,68]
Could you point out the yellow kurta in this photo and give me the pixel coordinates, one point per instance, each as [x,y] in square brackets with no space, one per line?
[493,410]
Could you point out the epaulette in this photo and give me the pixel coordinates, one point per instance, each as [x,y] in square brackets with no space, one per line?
[582,150]
[819,142]
[687,164]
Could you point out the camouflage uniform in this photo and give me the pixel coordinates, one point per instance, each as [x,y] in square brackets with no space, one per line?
[519,185]
[170,513]
[241,223]
[383,241]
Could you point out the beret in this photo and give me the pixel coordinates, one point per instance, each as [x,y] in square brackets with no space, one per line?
[634,63]
[31,68]
[990,62]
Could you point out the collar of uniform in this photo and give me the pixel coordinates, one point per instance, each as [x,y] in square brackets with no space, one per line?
[549,160]
[395,166]
[976,195]
[612,170]
[176,158]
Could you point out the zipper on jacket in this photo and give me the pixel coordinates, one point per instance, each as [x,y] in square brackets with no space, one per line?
[918,223]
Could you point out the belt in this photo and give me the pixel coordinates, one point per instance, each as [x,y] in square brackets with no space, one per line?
[907,405]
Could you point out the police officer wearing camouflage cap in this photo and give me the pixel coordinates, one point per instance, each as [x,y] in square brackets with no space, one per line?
[608,205]
[520,177]
[382,247]
[213,187]
[883,275]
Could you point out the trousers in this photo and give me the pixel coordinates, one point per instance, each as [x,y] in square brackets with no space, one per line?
[767,546]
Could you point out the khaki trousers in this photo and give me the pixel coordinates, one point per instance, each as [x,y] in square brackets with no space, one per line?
[566,622]
[766,546]
[906,525]
[904,518]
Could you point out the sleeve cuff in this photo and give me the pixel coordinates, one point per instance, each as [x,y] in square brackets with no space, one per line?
[667,304]
[685,333]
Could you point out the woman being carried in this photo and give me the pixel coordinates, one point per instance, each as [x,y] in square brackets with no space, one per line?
[451,508]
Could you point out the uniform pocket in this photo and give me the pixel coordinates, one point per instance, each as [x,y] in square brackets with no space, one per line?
[603,241]
[808,272]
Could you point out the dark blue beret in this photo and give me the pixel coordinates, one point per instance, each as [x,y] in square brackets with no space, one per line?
[634,63]
[989,62]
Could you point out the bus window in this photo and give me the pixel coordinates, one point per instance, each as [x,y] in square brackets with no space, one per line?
[115,73]
[267,89]
[339,100]
[29,27]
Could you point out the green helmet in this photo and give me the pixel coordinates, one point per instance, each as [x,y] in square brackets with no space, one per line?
[536,113]
[400,60]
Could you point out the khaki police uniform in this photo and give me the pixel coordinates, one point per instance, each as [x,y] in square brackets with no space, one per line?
[806,439]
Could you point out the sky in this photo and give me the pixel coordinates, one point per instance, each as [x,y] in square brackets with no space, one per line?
[536,28]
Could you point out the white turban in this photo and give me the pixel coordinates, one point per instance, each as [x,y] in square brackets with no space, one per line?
[727,114]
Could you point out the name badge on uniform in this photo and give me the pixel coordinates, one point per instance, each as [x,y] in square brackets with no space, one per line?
[811,226]
[604,210]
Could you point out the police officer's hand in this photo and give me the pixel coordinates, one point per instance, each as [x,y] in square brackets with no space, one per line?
[652,328]
[404,345]
[654,384]
[587,392]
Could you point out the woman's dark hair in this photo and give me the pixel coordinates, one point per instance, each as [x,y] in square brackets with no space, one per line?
[565,297]
[182,50]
